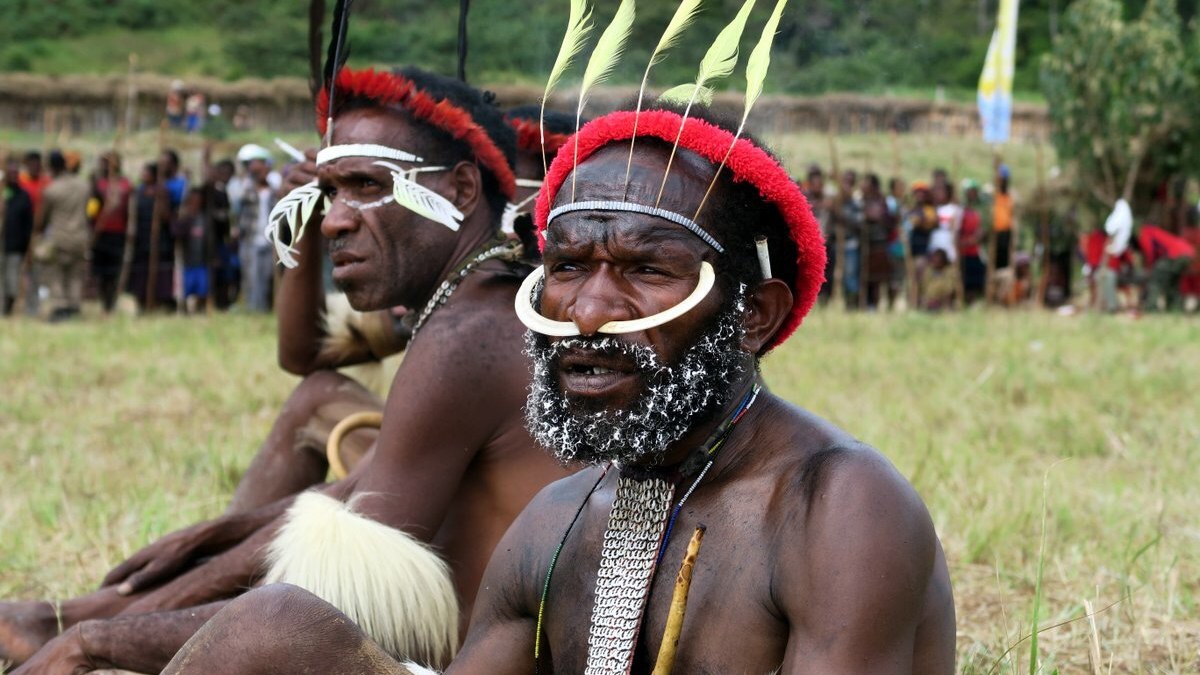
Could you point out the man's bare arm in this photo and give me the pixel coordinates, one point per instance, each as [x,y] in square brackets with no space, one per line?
[462,381]
[854,587]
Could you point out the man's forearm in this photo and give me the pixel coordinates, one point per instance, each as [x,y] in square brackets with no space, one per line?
[299,304]
[220,577]
[144,643]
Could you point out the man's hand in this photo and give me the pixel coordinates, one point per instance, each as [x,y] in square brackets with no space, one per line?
[162,559]
[64,655]
[300,174]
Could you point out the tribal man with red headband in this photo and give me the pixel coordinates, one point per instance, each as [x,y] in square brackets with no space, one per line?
[414,183]
[665,279]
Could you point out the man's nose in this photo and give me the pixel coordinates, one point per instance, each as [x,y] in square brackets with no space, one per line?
[339,219]
[598,302]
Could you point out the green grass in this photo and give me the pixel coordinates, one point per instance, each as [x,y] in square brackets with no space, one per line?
[180,51]
[120,430]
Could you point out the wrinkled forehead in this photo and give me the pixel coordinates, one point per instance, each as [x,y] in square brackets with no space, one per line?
[602,177]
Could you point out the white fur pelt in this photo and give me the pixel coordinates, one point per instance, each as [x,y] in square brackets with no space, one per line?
[394,587]
[415,669]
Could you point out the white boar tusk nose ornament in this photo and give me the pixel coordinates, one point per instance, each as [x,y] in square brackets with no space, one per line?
[537,323]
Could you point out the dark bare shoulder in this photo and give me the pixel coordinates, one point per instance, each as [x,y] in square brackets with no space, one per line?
[855,548]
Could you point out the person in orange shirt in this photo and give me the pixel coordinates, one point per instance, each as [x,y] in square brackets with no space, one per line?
[1002,218]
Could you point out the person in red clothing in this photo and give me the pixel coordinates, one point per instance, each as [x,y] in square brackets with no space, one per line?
[1107,275]
[1190,284]
[974,271]
[112,191]
[34,180]
[1166,257]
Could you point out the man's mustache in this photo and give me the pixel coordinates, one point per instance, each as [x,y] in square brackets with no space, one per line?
[643,357]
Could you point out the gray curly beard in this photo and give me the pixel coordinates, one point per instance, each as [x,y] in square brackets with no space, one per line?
[675,398]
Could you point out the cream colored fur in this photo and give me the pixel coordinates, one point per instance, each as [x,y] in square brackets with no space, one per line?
[396,589]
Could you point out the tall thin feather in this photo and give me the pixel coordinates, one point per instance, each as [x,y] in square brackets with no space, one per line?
[756,73]
[718,62]
[316,21]
[335,57]
[604,58]
[685,13]
[579,25]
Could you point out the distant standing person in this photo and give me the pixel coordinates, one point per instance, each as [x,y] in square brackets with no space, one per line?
[18,228]
[974,270]
[195,231]
[139,273]
[256,253]
[112,224]
[1002,218]
[814,192]
[65,236]
[33,181]
[217,204]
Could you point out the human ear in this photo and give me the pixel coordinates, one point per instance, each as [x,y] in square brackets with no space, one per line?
[767,307]
[467,183]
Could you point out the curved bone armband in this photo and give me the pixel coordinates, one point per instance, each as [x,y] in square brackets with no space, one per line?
[395,588]
[538,323]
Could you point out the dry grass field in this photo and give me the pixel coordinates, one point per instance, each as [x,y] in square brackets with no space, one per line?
[1065,447]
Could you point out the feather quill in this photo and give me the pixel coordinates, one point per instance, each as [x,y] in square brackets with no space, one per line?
[683,17]
[316,20]
[756,73]
[718,63]
[579,24]
[604,58]
[336,57]
[421,200]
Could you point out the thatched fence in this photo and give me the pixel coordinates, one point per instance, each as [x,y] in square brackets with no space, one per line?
[103,103]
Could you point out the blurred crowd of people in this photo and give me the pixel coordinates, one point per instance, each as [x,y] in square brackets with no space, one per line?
[939,245]
[175,243]
[170,241]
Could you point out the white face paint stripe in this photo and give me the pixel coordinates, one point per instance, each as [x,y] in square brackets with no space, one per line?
[538,323]
[529,183]
[333,152]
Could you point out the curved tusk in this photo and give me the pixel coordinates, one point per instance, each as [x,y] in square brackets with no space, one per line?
[537,323]
[533,319]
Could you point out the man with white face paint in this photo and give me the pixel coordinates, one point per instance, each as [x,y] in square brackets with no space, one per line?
[665,279]
[412,187]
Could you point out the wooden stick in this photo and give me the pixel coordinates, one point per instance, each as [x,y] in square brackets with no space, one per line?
[683,584]
[156,218]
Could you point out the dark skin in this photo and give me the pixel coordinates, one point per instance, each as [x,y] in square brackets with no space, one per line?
[819,557]
[452,479]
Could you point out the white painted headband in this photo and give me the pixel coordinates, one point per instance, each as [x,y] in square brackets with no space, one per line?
[334,152]
[538,323]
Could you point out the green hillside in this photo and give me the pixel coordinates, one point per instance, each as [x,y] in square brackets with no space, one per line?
[823,45]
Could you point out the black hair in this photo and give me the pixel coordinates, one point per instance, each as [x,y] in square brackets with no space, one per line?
[174,156]
[872,180]
[438,143]
[225,164]
[554,121]
[33,156]
[57,162]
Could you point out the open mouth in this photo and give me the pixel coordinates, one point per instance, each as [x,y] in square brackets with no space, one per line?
[595,373]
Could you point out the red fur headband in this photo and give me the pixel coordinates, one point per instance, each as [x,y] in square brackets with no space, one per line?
[394,89]
[747,163]
[529,137]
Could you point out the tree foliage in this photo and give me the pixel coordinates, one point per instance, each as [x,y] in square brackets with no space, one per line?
[823,45]
[1122,96]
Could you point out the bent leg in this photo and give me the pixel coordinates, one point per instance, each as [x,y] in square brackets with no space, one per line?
[292,458]
[26,626]
[273,630]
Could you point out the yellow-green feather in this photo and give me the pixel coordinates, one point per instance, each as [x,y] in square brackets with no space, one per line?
[604,58]
[718,62]
[579,25]
[683,17]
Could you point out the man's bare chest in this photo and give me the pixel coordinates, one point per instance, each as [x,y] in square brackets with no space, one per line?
[729,602]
